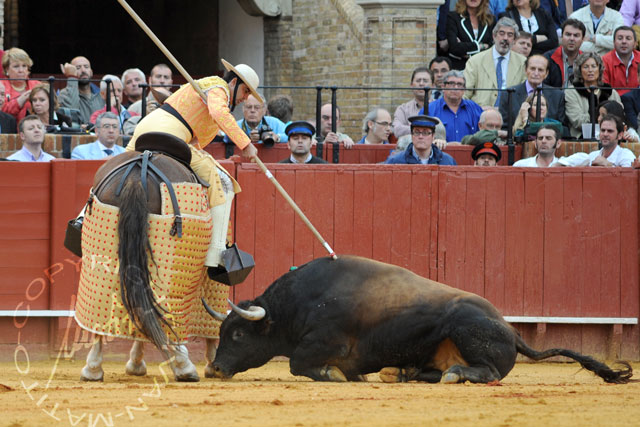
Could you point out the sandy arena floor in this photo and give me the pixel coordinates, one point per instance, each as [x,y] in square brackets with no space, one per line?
[531,395]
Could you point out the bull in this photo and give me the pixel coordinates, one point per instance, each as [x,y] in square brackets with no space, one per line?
[337,320]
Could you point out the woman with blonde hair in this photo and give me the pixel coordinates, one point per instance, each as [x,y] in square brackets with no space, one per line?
[469,30]
[39,100]
[587,73]
[533,19]
[17,66]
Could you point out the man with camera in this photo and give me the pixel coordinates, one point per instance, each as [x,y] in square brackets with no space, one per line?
[261,129]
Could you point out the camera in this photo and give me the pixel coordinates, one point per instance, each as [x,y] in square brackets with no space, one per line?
[268,141]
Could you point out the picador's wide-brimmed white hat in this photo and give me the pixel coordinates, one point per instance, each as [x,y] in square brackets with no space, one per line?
[248,76]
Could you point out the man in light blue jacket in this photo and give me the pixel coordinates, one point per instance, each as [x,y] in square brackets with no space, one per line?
[107,130]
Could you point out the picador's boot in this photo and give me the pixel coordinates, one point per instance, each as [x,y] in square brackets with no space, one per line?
[226,265]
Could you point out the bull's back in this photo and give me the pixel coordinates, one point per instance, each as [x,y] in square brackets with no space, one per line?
[373,292]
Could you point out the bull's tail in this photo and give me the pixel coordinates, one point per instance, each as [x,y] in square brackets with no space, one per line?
[617,376]
[135,289]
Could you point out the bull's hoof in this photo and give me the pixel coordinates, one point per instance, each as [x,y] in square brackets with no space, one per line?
[392,375]
[189,377]
[138,370]
[332,373]
[92,375]
[450,378]
[209,371]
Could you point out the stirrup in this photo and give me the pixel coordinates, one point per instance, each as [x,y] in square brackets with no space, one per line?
[237,266]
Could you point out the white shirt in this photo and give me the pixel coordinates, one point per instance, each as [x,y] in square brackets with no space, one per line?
[531,162]
[622,157]
[505,65]
[530,25]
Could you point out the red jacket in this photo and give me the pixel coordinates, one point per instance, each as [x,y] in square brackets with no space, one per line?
[615,71]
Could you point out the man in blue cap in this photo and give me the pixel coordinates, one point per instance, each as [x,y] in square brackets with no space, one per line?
[300,134]
[422,150]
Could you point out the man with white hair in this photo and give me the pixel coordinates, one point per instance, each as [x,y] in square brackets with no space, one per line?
[376,127]
[131,80]
[115,85]
[497,68]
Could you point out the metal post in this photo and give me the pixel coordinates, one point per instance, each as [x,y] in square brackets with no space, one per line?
[510,145]
[145,92]
[51,95]
[334,124]
[426,100]
[320,144]
[538,102]
[592,111]
[108,100]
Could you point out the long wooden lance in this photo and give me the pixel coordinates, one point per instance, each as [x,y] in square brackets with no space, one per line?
[199,91]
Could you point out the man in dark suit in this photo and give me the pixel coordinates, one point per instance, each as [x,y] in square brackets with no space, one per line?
[7,121]
[536,69]
[631,102]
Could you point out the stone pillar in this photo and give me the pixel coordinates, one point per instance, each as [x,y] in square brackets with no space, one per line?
[399,35]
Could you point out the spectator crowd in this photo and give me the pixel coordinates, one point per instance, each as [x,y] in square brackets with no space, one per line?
[534,70]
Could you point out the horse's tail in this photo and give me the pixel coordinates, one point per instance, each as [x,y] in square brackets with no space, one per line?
[135,289]
[617,376]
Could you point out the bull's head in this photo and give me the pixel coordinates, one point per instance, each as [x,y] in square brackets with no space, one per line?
[244,339]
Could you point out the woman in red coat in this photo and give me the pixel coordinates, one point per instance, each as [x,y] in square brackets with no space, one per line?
[17,65]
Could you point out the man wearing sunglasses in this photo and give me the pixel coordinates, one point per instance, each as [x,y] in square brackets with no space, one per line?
[422,150]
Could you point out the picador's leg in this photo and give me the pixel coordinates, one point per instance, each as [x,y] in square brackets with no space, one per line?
[183,368]
[136,365]
[210,355]
[92,371]
[220,217]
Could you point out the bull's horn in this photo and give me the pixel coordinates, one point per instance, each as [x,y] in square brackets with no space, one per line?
[212,312]
[253,313]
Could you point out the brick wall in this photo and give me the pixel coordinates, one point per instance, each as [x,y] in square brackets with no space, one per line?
[331,42]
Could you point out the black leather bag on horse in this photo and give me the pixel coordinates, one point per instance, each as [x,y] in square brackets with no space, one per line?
[73,236]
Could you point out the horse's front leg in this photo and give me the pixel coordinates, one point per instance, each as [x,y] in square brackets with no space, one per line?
[183,368]
[92,371]
[210,355]
[136,365]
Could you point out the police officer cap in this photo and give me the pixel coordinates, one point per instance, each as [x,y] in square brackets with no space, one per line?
[301,127]
[486,148]
[423,121]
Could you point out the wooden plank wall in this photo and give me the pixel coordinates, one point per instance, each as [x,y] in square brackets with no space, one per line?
[556,242]
[559,242]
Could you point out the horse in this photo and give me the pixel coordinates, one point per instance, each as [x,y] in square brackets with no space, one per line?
[132,184]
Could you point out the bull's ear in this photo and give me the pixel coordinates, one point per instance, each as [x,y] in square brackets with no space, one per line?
[264,326]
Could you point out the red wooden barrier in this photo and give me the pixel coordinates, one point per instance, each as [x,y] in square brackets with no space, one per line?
[364,154]
[271,154]
[556,242]
[536,243]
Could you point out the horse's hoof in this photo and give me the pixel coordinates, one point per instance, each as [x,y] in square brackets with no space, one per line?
[450,378]
[188,378]
[209,371]
[138,370]
[88,375]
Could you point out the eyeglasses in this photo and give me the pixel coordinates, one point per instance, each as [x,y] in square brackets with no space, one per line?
[109,126]
[454,84]
[253,107]
[384,124]
[422,132]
